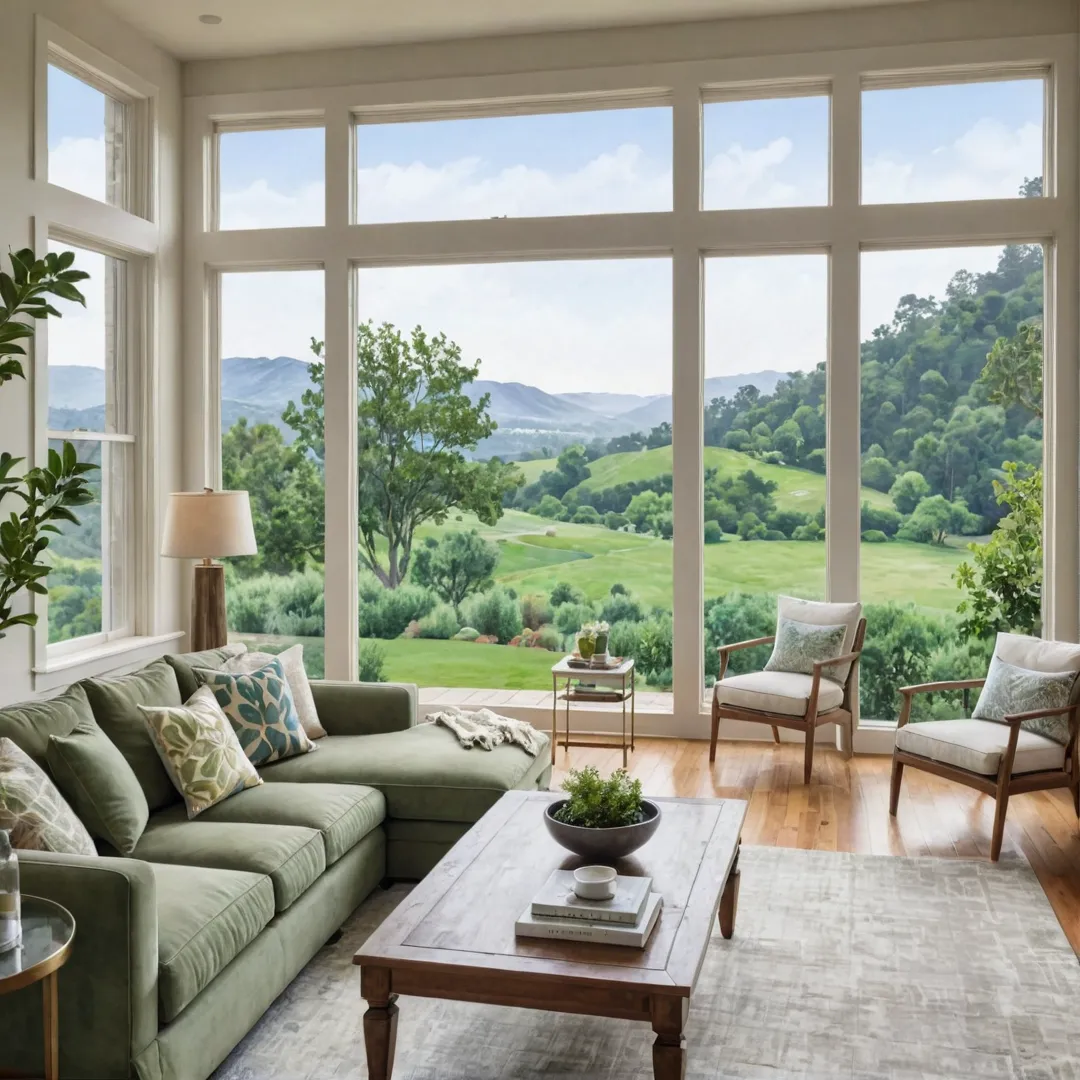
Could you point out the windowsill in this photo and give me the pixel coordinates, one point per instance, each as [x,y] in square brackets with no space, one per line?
[97,659]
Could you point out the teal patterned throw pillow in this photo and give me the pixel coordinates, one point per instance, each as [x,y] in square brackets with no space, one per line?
[260,706]
[1009,690]
[799,645]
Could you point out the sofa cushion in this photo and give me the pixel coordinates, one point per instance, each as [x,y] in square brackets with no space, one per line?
[99,784]
[423,771]
[184,664]
[292,857]
[977,745]
[205,919]
[30,724]
[116,708]
[786,692]
[343,813]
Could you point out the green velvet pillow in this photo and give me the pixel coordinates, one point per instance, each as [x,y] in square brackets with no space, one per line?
[116,709]
[100,785]
[29,724]
[184,664]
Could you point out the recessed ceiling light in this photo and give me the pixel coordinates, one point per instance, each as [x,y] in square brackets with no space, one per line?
[210,20]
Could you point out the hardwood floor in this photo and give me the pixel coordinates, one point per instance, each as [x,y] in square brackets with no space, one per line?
[846,807]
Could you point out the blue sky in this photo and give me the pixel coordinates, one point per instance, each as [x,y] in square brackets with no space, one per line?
[949,142]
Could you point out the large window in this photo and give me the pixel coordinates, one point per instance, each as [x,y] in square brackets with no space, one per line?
[951,441]
[539,454]
[90,393]
[764,452]
[601,162]
[268,321]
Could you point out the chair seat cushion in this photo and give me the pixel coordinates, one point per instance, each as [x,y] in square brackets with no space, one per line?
[343,813]
[205,919]
[291,856]
[977,745]
[424,772]
[786,692]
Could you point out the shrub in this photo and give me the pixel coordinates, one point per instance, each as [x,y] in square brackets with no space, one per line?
[774,534]
[371,660]
[564,593]
[880,517]
[494,613]
[535,611]
[547,637]
[738,617]
[387,615]
[878,472]
[440,623]
[586,515]
[571,617]
[287,604]
[874,536]
[615,521]
[810,531]
[621,608]
[713,533]
[466,633]
[549,507]
[618,589]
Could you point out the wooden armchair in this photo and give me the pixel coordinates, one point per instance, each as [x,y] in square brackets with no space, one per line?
[785,699]
[998,758]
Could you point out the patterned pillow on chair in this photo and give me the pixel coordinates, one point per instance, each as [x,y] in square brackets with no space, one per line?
[800,645]
[260,706]
[1010,689]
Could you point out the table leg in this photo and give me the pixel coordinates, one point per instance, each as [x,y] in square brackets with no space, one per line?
[554,716]
[669,1047]
[380,1022]
[50,1021]
[566,744]
[633,707]
[729,899]
[624,722]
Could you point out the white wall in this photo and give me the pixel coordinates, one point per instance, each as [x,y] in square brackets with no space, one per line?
[22,199]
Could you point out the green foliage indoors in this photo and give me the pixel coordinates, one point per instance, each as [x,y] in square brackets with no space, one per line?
[595,803]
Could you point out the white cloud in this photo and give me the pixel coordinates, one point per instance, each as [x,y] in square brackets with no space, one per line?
[259,206]
[271,313]
[79,336]
[742,178]
[78,164]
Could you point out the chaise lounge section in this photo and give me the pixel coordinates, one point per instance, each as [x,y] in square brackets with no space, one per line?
[183,944]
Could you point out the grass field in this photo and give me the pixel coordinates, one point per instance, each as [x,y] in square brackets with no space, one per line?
[797,489]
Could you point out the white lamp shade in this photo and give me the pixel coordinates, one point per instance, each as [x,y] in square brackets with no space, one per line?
[208,525]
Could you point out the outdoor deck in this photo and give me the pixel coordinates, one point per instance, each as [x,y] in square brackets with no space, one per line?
[469,698]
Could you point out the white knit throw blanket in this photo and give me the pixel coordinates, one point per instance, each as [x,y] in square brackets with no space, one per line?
[486,729]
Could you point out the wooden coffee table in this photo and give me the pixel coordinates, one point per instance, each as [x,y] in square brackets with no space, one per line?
[453,935]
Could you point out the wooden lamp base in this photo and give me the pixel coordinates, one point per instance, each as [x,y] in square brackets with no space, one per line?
[209,629]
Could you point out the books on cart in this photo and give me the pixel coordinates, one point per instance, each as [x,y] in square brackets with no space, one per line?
[595,663]
[628,918]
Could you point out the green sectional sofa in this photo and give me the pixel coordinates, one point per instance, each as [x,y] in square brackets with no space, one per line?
[182,945]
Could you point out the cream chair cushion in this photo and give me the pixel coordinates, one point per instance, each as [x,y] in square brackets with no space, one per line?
[977,745]
[786,692]
[822,614]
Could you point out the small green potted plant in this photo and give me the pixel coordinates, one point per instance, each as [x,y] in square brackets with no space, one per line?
[600,648]
[601,819]
[586,641]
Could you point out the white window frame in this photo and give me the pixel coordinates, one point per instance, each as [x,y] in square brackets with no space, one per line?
[130,233]
[843,229]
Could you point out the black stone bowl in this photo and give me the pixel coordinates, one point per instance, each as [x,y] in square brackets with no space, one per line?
[603,845]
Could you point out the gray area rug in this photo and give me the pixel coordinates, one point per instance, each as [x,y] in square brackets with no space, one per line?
[842,966]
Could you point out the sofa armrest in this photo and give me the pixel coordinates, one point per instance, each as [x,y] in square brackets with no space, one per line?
[108,990]
[348,708]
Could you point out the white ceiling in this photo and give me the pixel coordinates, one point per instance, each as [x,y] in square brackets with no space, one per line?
[254,27]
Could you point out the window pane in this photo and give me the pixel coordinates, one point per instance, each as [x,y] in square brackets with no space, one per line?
[980,140]
[95,551]
[608,161]
[771,152]
[87,132]
[938,424]
[271,179]
[275,598]
[567,374]
[764,453]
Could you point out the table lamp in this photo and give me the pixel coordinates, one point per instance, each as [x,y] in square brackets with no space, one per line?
[206,525]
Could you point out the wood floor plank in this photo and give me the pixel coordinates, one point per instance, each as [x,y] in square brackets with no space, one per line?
[846,807]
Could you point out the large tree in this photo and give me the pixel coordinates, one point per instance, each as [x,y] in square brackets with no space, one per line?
[415,425]
[455,565]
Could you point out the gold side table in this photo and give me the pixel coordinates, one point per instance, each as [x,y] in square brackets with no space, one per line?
[47,933]
[621,682]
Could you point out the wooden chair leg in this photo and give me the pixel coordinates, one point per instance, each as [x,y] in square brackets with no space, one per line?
[894,785]
[808,755]
[999,824]
[715,730]
[849,736]
[1076,794]
[776,734]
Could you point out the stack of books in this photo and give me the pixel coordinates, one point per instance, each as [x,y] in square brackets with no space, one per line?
[558,912]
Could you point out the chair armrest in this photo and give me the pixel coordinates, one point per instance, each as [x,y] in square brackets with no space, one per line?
[907,692]
[847,658]
[723,650]
[349,708]
[108,988]
[1034,714]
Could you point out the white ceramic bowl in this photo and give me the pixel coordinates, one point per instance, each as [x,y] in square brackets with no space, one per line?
[594,882]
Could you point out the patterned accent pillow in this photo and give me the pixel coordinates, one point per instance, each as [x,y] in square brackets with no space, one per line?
[32,809]
[200,750]
[799,645]
[292,662]
[260,706]
[1009,690]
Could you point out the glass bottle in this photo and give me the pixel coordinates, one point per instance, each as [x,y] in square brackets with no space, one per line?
[10,910]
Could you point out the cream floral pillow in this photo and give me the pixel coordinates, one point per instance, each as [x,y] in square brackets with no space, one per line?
[200,750]
[292,663]
[799,645]
[1010,690]
[34,811]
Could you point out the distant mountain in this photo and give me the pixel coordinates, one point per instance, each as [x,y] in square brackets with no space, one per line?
[264,381]
[72,386]
[517,405]
[609,404]
[658,410]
